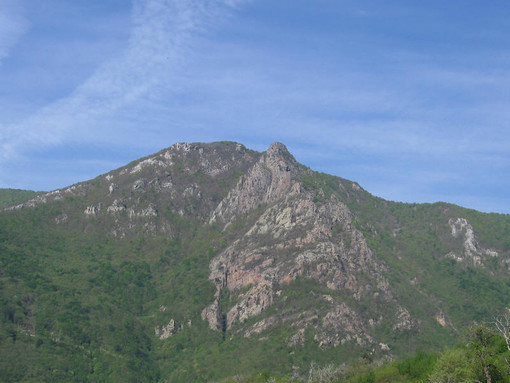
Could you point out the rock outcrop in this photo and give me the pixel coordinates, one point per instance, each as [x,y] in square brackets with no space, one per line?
[267,181]
[165,332]
[473,252]
[293,236]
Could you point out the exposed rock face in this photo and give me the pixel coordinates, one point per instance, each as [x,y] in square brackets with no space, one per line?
[294,236]
[473,252]
[165,332]
[342,325]
[116,207]
[443,320]
[404,321]
[112,188]
[261,326]
[265,182]
[93,210]
[298,339]
[62,218]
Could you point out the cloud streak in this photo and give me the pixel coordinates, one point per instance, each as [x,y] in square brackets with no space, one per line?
[12,26]
[161,32]
[352,96]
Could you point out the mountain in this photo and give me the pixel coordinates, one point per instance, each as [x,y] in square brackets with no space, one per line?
[205,261]
[9,197]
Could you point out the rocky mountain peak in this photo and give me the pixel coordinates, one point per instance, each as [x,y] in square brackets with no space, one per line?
[277,148]
[279,159]
[267,181]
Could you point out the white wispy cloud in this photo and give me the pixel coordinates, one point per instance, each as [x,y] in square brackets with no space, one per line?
[401,113]
[12,25]
[352,93]
[159,42]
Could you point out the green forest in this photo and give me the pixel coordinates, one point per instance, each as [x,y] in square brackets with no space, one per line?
[481,355]
[78,304]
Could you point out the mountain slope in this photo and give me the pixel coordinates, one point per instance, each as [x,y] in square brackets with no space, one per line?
[207,260]
[9,197]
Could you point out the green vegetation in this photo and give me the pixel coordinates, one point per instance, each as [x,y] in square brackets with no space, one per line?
[482,356]
[10,197]
[83,298]
[413,240]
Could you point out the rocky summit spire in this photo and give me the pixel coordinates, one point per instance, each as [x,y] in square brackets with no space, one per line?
[277,147]
[278,158]
[267,181]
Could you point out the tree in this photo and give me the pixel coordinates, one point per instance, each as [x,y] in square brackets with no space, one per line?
[452,367]
[479,337]
[502,324]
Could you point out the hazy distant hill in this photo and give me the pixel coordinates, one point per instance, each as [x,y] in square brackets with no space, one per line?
[207,260]
[9,197]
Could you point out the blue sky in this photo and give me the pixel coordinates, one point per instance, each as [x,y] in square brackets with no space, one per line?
[410,99]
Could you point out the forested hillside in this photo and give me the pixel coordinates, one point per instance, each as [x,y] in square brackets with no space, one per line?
[207,261]
[9,197]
